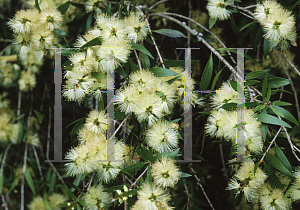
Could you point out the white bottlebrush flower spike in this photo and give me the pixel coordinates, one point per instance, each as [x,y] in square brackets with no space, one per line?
[96,198]
[96,122]
[217,9]
[165,173]
[52,18]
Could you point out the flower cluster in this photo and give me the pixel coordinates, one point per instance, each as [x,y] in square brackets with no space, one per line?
[96,198]
[279,24]
[152,197]
[34,30]
[223,123]
[217,9]
[8,72]
[150,97]
[88,73]
[53,201]
[92,148]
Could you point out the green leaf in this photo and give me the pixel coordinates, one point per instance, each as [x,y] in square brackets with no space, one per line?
[68,52]
[266,48]
[282,158]
[279,90]
[78,207]
[276,111]
[181,174]
[256,166]
[60,32]
[259,107]
[114,188]
[37,5]
[247,25]
[93,42]
[108,10]
[132,191]
[270,171]
[39,116]
[278,165]
[264,87]
[134,167]
[295,131]
[251,82]
[145,61]
[258,37]
[229,106]
[216,79]
[121,71]
[81,6]
[76,182]
[234,27]
[1,180]
[97,75]
[281,103]
[89,21]
[277,82]
[287,115]
[170,33]
[233,84]
[255,74]
[268,95]
[141,49]
[146,154]
[162,72]
[29,180]
[206,76]
[294,5]
[174,79]
[212,22]
[64,7]
[120,115]
[79,16]
[133,66]
[167,154]
[269,119]
[47,205]
[82,202]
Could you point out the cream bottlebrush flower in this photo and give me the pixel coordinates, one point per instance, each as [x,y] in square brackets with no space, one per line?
[52,18]
[81,160]
[85,135]
[165,173]
[74,94]
[273,198]
[251,125]
[142,79]
[233,184]
[162,137]
[55,200]
[5,127]
[113,28]
[166,95]
[126,98]
[295,190]
[226,94]
[78,79]
[37,203]
[215,122]
[96,198]
[149,108]
[83,62]
[254,143]
[112,52]
[217,9]
[42,38]
[136,27]
[268,7]
[21,44]
[91,5]
[33,139]
[280,25]
[152,197]
[25,21]
[96,122]
[27,81]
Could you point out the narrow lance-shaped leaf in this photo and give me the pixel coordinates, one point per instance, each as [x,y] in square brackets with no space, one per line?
[206,76]
[162,72]
[142,49]
[269,119]
[170,33]
[64,7]
[280,155]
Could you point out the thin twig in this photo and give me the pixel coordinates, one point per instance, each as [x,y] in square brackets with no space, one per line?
[187,194]
[134,183]
[138,59]
[19,103]
[292,65]
[37,161]
[4,158]
[202,40]
[242,9]
[119,127]
[292,84]
[4,203]
[23,177]
[157,3]
[200,185]
[250,7]
[158,53]
[223,162]
[270,144]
